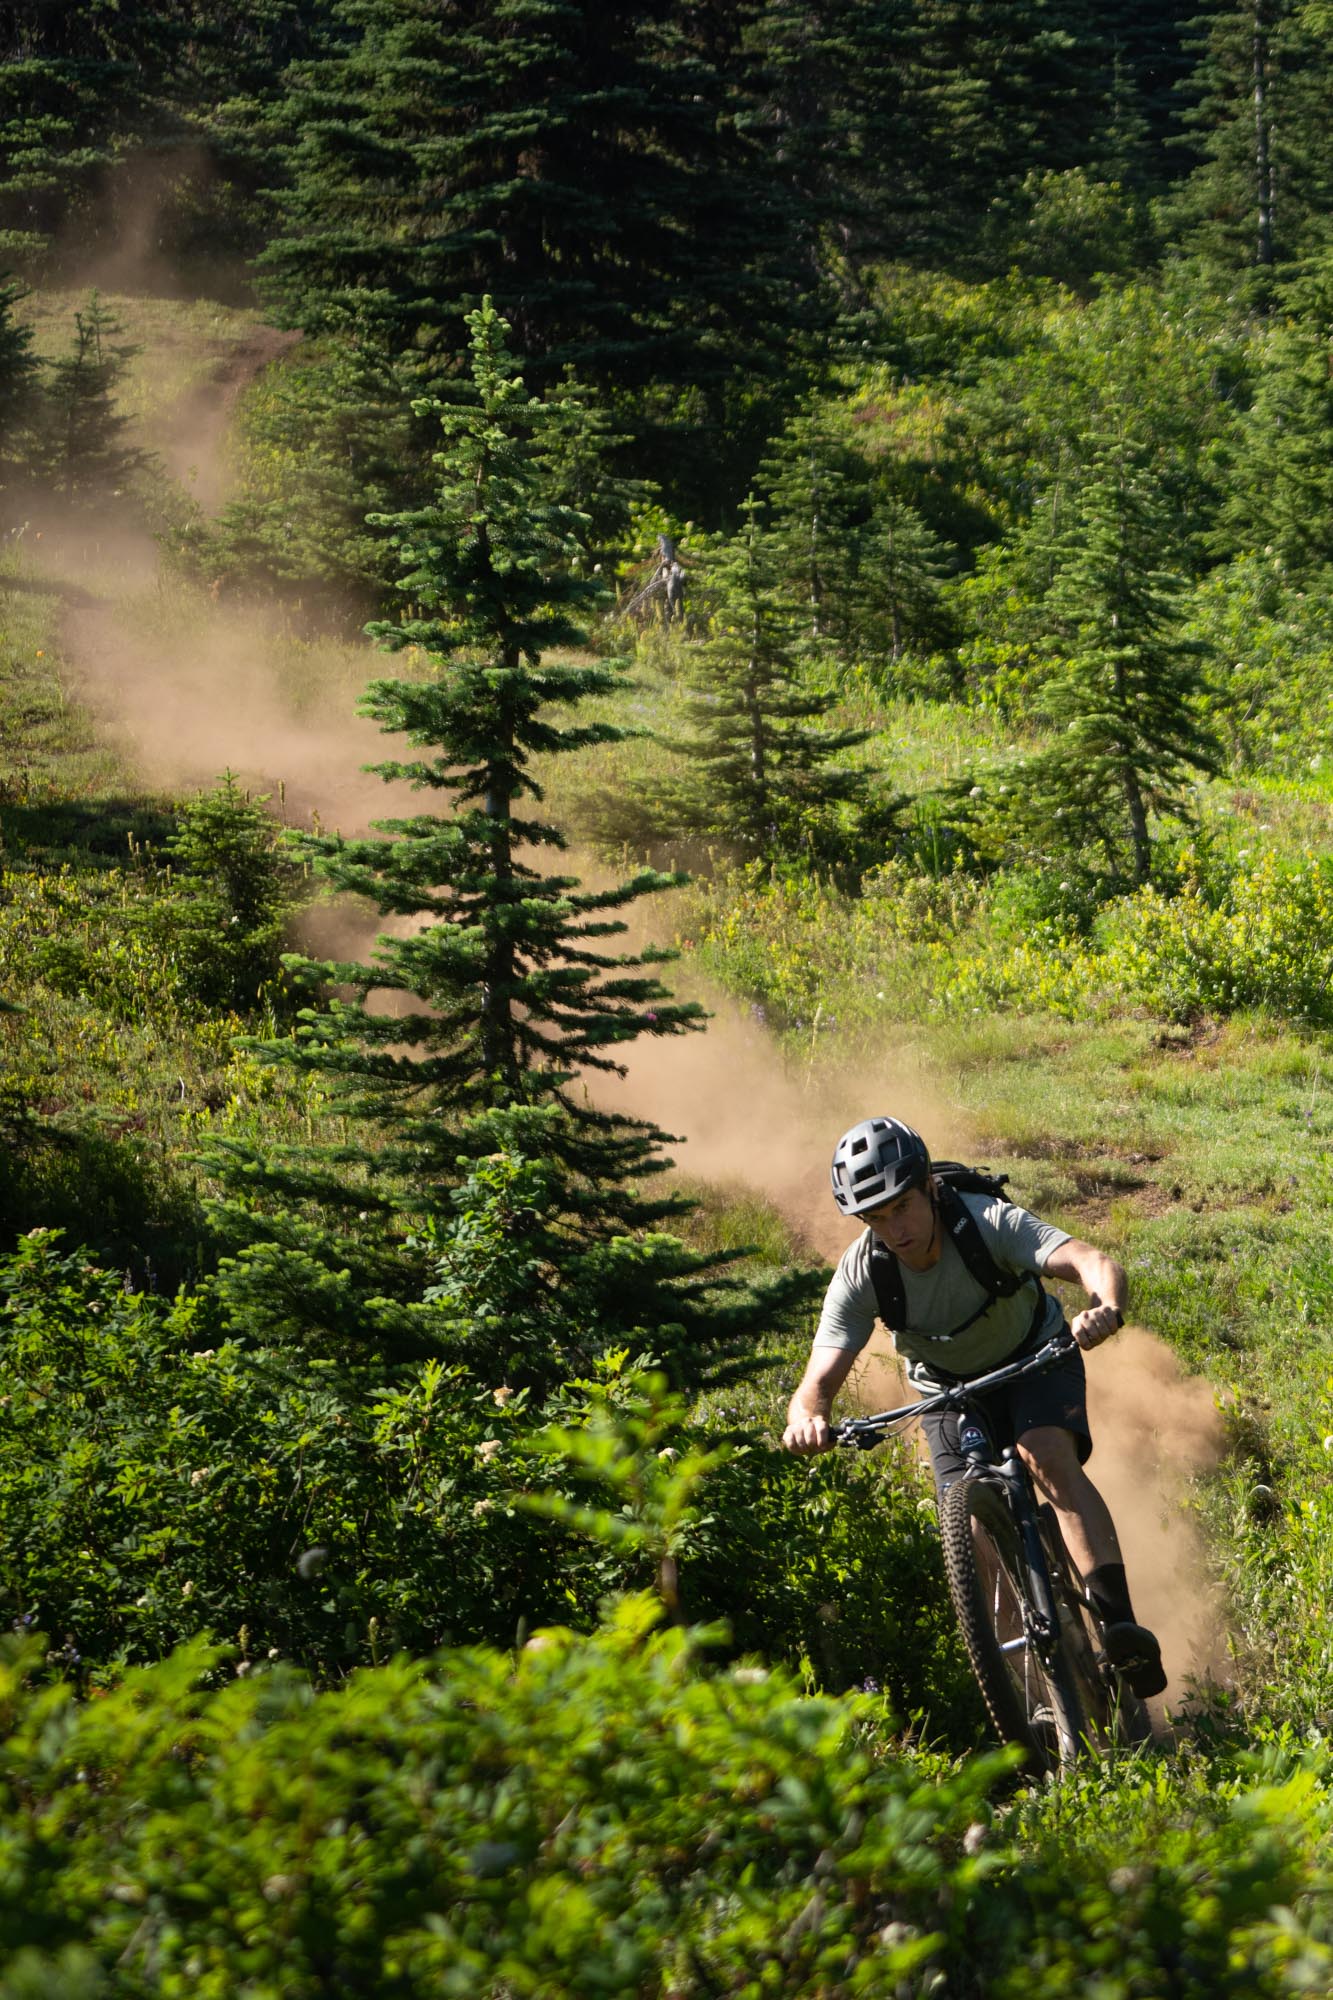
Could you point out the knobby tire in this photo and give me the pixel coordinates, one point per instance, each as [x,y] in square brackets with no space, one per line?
[1032,1701]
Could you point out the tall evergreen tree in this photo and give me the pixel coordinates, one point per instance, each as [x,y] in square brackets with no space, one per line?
[1124,693]
[763,779]
[506,992]
[1258,116]
[581,163]
[96,99]
[905,122]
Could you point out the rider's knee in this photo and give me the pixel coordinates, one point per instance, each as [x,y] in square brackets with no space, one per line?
[1051,1456]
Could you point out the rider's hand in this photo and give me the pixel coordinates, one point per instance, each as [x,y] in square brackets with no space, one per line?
[1096,1324]
[807,1434]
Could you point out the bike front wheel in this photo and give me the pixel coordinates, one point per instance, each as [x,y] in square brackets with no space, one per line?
[1030,1695]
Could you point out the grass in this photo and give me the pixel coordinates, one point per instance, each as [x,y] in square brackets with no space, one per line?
[177,347]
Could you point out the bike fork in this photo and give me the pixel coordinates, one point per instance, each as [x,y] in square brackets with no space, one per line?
[1040,1598]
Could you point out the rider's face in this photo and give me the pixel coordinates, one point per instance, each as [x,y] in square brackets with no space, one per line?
[905,1226]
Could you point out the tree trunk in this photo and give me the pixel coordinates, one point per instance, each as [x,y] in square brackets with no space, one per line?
[498,1052]
[1263,162]
[1138,825]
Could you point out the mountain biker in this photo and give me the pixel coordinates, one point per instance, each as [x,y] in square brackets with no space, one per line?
[954,1327]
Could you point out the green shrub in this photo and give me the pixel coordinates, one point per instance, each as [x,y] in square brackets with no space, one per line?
[1262,938]
[221,924]
[597,1816]
[159,1480]
[613,1815]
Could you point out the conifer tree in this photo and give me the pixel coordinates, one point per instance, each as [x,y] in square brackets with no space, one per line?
[1258,115]
[505,989]
[817,488]
[18,369]
[82,454]
[763,778]
[1125,691]
[1280,493]
[581,163]
[898,597]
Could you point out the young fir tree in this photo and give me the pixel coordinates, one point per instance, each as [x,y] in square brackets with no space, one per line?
[82,454]
[818,490]
[1124,693]
[505,991]
[762,776]
[899,605]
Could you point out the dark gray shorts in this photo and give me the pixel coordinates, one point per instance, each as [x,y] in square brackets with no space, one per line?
[1058,1397]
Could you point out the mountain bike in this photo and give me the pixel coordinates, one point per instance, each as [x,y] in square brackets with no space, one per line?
[1033,1637]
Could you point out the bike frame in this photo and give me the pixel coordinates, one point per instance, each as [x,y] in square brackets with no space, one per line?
[1005,1471]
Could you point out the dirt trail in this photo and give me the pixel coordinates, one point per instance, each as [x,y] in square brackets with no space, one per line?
[193,446]
[188,692]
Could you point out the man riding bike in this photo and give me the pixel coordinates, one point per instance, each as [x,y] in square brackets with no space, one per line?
[956,1277]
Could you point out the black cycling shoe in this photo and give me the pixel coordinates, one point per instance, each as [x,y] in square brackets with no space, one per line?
[1133,1651]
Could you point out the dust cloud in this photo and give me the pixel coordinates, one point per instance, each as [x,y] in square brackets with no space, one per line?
[1155,1430]
[187,689]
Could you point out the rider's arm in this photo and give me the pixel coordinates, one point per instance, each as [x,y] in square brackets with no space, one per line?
[1104,1282]
[808,1417]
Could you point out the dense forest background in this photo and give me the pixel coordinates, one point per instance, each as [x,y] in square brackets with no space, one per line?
[590,594]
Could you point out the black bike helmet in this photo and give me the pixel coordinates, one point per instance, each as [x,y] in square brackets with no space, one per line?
[875,1162]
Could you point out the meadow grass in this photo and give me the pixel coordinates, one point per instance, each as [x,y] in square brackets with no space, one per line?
[177,345]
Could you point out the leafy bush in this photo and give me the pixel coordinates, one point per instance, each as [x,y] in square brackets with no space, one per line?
[597,1816]
[159,1480]
[1263,938]
[610,1815]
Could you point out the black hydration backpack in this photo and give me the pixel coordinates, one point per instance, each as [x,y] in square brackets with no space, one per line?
[954,1180]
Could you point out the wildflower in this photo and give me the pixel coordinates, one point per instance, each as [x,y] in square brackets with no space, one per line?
[502,1394]
[200,1474]
[488,1448]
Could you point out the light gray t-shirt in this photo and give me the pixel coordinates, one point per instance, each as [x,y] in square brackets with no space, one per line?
[942,1298]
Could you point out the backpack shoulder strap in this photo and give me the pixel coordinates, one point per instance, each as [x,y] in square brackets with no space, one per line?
[887,1278]
[972,1247]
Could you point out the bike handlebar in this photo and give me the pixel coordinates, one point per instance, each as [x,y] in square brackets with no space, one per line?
[866,1432]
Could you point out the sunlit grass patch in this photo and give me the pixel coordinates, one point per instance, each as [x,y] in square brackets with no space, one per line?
[180,343]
